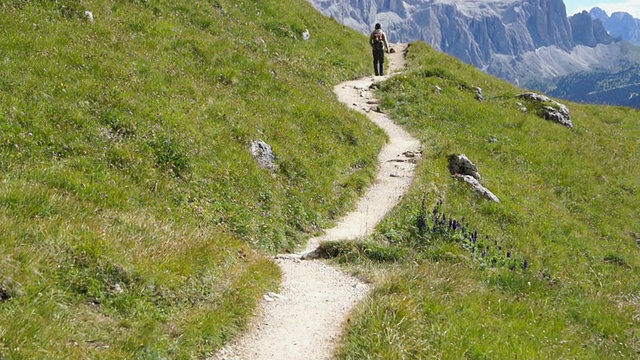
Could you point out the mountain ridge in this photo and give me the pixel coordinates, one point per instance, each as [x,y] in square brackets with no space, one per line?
[620,24]
[522,42]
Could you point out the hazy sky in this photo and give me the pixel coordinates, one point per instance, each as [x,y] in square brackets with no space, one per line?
[610,6]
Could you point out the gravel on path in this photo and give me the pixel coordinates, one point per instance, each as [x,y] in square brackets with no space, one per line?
[305,320]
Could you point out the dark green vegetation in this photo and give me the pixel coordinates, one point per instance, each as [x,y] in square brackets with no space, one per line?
[618,84]
[551,272]
[132,213]
[621,87]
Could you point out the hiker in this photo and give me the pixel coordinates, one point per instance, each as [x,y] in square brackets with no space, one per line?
[378,42]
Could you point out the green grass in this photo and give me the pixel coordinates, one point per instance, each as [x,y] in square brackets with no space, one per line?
[134,219]
[569,201]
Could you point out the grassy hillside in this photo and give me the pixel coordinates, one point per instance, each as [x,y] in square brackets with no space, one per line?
[133,215]
[552,272]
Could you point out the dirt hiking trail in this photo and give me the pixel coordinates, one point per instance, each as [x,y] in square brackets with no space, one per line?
[305,320]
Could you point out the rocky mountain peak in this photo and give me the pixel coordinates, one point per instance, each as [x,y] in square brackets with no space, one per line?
[619,25]
[588,31]
[517,40]
[598,13]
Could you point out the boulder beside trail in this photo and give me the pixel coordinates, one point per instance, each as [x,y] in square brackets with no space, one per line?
[464,169]
[477,187]
[460,164]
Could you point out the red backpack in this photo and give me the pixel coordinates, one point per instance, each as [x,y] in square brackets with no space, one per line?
[378,40]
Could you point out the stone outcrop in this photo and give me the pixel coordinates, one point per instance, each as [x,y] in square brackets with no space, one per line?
[477,187]
[263,154]
[464,169]
[548,109]
[460,164]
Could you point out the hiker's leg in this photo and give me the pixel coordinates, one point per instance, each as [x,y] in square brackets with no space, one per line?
[375,63]
[378,58]
[382,66]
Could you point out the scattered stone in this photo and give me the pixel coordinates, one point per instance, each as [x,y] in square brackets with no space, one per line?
[438,89]
[475,89]
[492,140]
[462,168]
[373,101]
[377,109]
[477,187]
[392,51]
[276,296]
[117,289]
[460,164]
[89,15]
[561,116]
[548,109]
[479,95]
[288,256]
[262,152]
[9,289]
[306,35]
[522,107]
[412,154]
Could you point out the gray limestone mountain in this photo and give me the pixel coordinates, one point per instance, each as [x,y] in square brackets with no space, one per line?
[588,31]
[521,41]
[619,24]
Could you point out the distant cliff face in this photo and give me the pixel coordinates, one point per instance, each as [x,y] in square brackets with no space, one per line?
[619,24]
[517,40]
[588,31]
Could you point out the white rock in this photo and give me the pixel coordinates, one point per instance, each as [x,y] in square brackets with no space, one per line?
[89,15]
[117,289]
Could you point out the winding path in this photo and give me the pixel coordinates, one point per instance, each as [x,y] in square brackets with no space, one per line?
[304,321]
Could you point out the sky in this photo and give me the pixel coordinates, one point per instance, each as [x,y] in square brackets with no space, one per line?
[610,6]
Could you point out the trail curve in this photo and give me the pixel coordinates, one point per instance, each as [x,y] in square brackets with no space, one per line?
[306,318]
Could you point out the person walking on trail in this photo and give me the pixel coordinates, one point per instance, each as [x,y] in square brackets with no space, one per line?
[379,45]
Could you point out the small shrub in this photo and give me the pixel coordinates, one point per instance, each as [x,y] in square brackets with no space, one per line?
[171,156]
[616,260]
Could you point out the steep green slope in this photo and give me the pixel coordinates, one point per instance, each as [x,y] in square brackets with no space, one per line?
[131,208]
[551,272]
